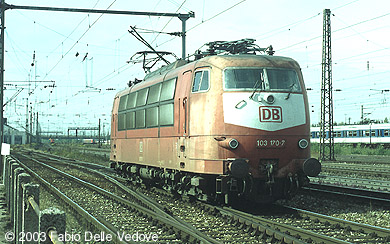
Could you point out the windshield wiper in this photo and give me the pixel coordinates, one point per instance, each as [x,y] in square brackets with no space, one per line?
[290,90]
[258,84]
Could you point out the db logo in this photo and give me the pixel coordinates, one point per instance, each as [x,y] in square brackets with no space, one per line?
[270,114]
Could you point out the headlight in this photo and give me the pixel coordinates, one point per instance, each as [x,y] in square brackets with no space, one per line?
[270,99]
[233,143]
[303,143]
[228,143]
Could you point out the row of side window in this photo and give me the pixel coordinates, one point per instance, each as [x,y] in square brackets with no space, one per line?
[161,115]
[149,107]
[153,106]
[160,92]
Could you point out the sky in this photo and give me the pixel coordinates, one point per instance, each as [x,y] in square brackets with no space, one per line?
[84,56]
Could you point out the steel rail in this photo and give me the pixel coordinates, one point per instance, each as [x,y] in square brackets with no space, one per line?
[77,208]
[362,170]
[364,159]
[353,182]
[147,201]
[90,150]
[371,229]
[281,231]
[370,195]
[161,216]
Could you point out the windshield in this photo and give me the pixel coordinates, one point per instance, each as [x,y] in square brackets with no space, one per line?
[261,79]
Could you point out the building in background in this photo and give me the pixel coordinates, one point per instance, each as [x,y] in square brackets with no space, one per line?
[13,136]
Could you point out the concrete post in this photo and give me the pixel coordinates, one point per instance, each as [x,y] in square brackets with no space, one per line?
[12,166]
[30,218]
[2,167]
[22,179]
[14,205]
[6,176]
[12,189]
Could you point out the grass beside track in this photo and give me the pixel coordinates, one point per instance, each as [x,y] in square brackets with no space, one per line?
[65,150]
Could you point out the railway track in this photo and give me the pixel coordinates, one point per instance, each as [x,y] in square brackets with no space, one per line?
[198,226]
[232,226]
[114,215]
[313,227]
[355,178]
[363,170]
[364,159]
[368,184]
[206,221]
[369,195]
[103,152]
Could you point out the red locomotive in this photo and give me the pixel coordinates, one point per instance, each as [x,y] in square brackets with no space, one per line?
[231,124]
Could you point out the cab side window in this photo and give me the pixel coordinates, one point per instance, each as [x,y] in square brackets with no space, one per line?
[201,81]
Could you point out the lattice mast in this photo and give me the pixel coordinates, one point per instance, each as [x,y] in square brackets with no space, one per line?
[326,124]
[2,28]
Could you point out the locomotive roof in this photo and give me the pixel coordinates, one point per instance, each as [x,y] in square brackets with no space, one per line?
[219,61]
[250,60]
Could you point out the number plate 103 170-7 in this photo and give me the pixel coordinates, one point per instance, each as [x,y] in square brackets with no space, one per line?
[270,143]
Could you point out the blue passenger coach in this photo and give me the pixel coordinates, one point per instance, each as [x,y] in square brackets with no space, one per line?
[365,134]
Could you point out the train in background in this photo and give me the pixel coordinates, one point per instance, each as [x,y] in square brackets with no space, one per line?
[89,141]
[376,134]
[230,125]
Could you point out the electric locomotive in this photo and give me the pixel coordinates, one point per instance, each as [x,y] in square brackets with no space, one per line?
[231,124]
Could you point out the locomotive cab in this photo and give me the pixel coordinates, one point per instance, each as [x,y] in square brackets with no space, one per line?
[254,118]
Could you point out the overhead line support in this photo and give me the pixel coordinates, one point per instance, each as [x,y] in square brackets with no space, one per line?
[182,17]
[96,11]
[2,19]
[326,123]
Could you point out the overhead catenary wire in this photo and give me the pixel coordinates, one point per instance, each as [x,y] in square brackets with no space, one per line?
[204,21]
[337,30]
[13,45]
[55,31]
[72,46]
[177,10]
[105,78]
[85,32]
[285,28]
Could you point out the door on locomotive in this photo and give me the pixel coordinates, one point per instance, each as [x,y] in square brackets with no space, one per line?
[182,86]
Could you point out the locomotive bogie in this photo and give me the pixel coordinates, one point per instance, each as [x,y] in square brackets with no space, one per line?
[217,128]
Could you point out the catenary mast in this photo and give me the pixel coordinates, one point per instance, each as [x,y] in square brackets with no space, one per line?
[326,124]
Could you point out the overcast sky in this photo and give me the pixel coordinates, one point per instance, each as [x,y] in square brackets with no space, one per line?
[360,36]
